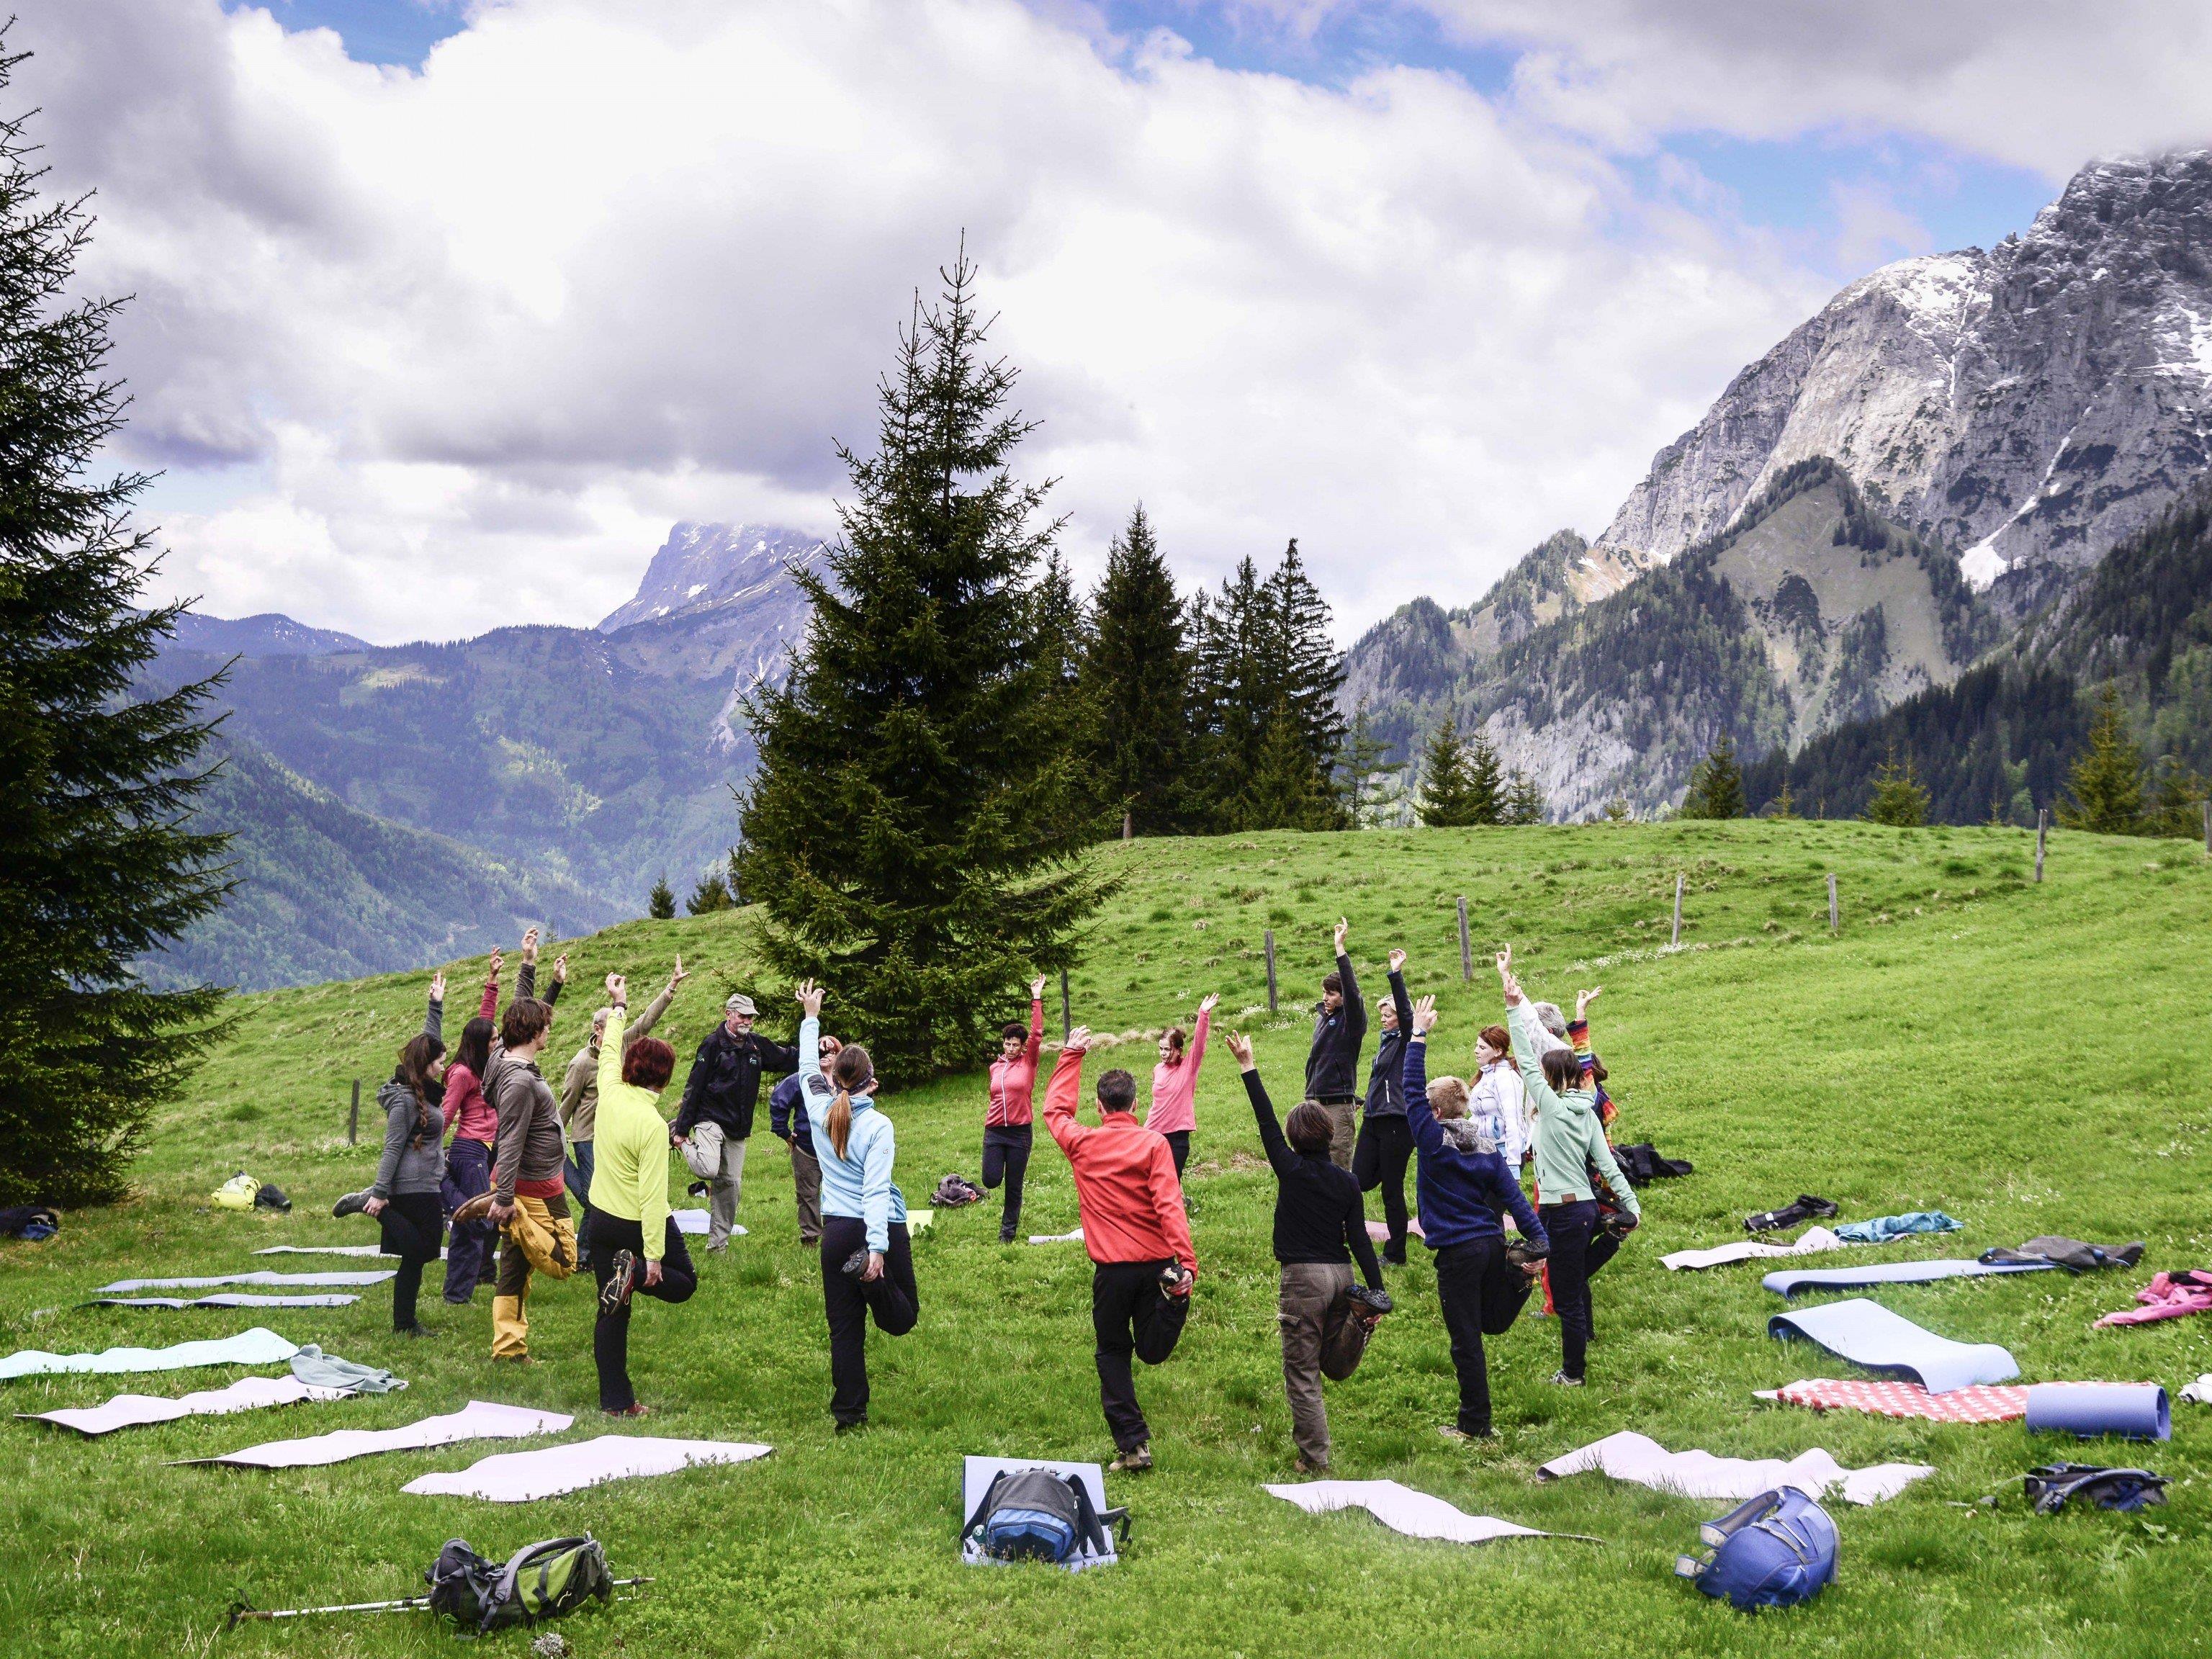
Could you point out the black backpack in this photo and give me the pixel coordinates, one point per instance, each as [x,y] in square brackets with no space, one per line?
[539,1581]
[1035,1515]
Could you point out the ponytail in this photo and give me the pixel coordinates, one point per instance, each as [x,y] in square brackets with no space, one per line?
[851,1070]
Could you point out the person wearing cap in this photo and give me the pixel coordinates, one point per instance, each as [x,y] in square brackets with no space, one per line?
[719,1097]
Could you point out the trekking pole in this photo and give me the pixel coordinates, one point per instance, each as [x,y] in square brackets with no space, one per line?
[241,1610]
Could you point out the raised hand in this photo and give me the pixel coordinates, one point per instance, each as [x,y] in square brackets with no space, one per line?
[1512,991]
[1078,1040]
[1343,928]
[560,968]
[1583,998]
[618,990]
[810,999]
[1037,988]
[530,946]
[498,961]
[1425,1016]
[677,975]
[1206,1003]
[438,985]
[1505,964]
[1240,1049]
[1397,961]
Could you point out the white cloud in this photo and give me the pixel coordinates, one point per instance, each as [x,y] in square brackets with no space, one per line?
[430,352]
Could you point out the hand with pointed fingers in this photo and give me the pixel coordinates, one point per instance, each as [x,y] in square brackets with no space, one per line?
[1397,961]
[1425,1016]
[1037,988]
[438,985]
[1239,1050]
[1078,1040]
[810,999]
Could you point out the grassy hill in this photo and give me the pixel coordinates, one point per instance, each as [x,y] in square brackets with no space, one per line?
[2028,1058]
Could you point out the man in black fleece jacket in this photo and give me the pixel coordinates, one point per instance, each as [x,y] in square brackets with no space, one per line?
[1332,1063]
[1320,1228]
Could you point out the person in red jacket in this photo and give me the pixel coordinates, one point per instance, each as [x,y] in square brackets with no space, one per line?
[1007,1121]
[1136,1234]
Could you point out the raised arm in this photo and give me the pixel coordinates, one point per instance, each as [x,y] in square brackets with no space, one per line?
[1528,1034]
[1355,1006]
[1031,1049]
[610,1047]
[433,1022]
[488,1005]
[1060,1093]
[1198,1039]
[1280,1158]
[653,1010]
[1418,1118]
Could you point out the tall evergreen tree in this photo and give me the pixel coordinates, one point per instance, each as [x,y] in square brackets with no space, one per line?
[915,831]
[1716,786]
[1524,800]
[99,865]
[710,894]
[1232,699]
[1308,669]
[1898,800]
[1485,775]
[1373,795]
[1456,791]
[1136,682]
[1286,790]
[2106,786]
[661,902]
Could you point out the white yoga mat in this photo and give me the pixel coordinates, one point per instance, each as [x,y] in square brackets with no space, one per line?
[328,1250]
[478,1420]
[1401,1509]
[254,1347]
[222,1299]
[1811,1241]
[1075,1237]
[1632,1457]
[693,1223]
[976,1474]
[137,1410]
[267,1279]
[518,1476]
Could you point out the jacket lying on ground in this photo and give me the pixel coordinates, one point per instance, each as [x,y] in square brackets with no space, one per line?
[1125,1178]
[858,1186]
[1333,1062]
[724,1086]
[1569,1140]
[1459,1188]
[1319,1216]
[630,1172]
[1386,1078]
[2070,1253]
[1013,1082]
[579,1089]
[1174,1088]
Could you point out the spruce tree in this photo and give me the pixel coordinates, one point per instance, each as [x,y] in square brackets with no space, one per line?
[2106,784]
[1716,786]
[1524,800]
[1233,694]
[1287,792]
[100,863]
[1784,807]
[1485,775]
[1453,794]
[711,894]
[661,902]
[1898,800]
[1372,793]
[916,829]
[1308,669]
[1136,685]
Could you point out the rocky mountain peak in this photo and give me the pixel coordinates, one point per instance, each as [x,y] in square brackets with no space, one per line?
[705,567]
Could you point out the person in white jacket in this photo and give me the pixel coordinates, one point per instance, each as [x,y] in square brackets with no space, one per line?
[1498,1102]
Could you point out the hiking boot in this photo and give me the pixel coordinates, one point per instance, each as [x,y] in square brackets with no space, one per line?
[1393,1258]
[1476,1437]
[699,1189]
[1525,1255]
[477,1208]
[1172,1281]
[853,1427]
[634,1409]
[614,1295]
[418,1328]
[857,1263]
[1371,1304]
[1306,1466]
[1560,1379]
[352,1204]
[1135,1460]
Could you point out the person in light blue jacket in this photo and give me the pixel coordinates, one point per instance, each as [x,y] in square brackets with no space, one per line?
[867,1258]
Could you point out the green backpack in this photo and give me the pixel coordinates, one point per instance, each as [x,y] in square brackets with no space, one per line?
[539,1581]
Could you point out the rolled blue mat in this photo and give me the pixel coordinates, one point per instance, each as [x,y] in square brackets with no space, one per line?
[2134,1410]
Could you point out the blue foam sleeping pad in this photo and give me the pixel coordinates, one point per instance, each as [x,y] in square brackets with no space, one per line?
[1796,1281]
[1867,1334]
[2134,1410]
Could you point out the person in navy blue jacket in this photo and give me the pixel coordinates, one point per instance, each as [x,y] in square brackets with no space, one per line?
[1462,1187]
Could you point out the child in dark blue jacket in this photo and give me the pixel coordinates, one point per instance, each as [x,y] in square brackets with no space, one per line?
[1462,1187]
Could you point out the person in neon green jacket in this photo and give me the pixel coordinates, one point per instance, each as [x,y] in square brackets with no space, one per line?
[636,1249]
[1570,1143]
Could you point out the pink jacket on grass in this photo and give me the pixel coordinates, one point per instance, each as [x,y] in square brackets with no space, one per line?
[2168,1296]
[1176,1087]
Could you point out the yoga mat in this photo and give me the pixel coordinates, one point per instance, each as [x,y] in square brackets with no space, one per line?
[1811,1241]
[1867,1334]
[328,1250]
[136,1411]
[1797,1281]
[1886,1397]
[976,1474]
[262,1279]
[1404,1510]
[254,1347]
[223,1300]
[692,1223]
[2133,1411]
[518,1476]
[1632,1457]
[477,1420]
[1075,1237]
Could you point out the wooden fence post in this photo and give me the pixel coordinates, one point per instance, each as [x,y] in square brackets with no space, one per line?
[1065,1023]
[1269,937]
[1832,901]
[2042,823]
[1677,940]
[1466,945]
[1128,826]
[353,1121]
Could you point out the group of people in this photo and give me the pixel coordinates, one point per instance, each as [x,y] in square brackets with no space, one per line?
[1535,1101]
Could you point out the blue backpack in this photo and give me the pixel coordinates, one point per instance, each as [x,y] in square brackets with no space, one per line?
[1035,1515]
[1775,1551]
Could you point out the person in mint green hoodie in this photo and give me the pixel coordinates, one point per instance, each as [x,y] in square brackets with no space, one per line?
[1569,1143]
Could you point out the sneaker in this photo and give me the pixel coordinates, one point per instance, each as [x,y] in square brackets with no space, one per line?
[1135,1462]
[1562,1380]
[699,1189]
[1373,1304]
[1172,1281]
[1393,1258]
[475,1209]
[418,1328]
[634,1409]
[857,1263]
[1525,1255]
[614,1295]
[1453,1432]
[351,1204]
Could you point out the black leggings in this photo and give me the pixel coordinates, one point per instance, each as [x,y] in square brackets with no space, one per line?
[413,1224]
[1131,1315]
[892,1301]
[1386,1146]
[1579,1247]
[1006,1157]
[611,1335]
[1482,1294]
[1178,1142]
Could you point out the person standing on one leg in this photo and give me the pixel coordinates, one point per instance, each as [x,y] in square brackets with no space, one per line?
[579,1097]
[790,1122]
[1174,1114]
[1321,1229]
[528,1200]
[406,1196]
[636,1250]
[867,1258]
[1332,1063]
[1386,1144]
[722,1091]
[1570,1145]
[1008,1125]
[1463,1186]
[1135,1233]
[468,1156]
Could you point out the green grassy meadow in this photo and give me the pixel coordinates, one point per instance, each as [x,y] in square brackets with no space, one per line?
[2030,1058]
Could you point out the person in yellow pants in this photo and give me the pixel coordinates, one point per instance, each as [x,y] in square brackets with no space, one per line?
[528,1204]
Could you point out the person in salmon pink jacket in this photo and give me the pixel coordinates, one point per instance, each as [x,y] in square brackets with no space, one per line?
[1008,1124]
[1174,1086]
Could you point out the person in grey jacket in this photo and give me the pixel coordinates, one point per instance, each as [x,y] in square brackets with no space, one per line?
[406,1197]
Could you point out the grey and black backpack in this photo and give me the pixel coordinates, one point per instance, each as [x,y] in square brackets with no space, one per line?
[1035,1515]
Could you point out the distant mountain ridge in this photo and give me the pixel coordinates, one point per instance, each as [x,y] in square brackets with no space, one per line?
[269,635]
